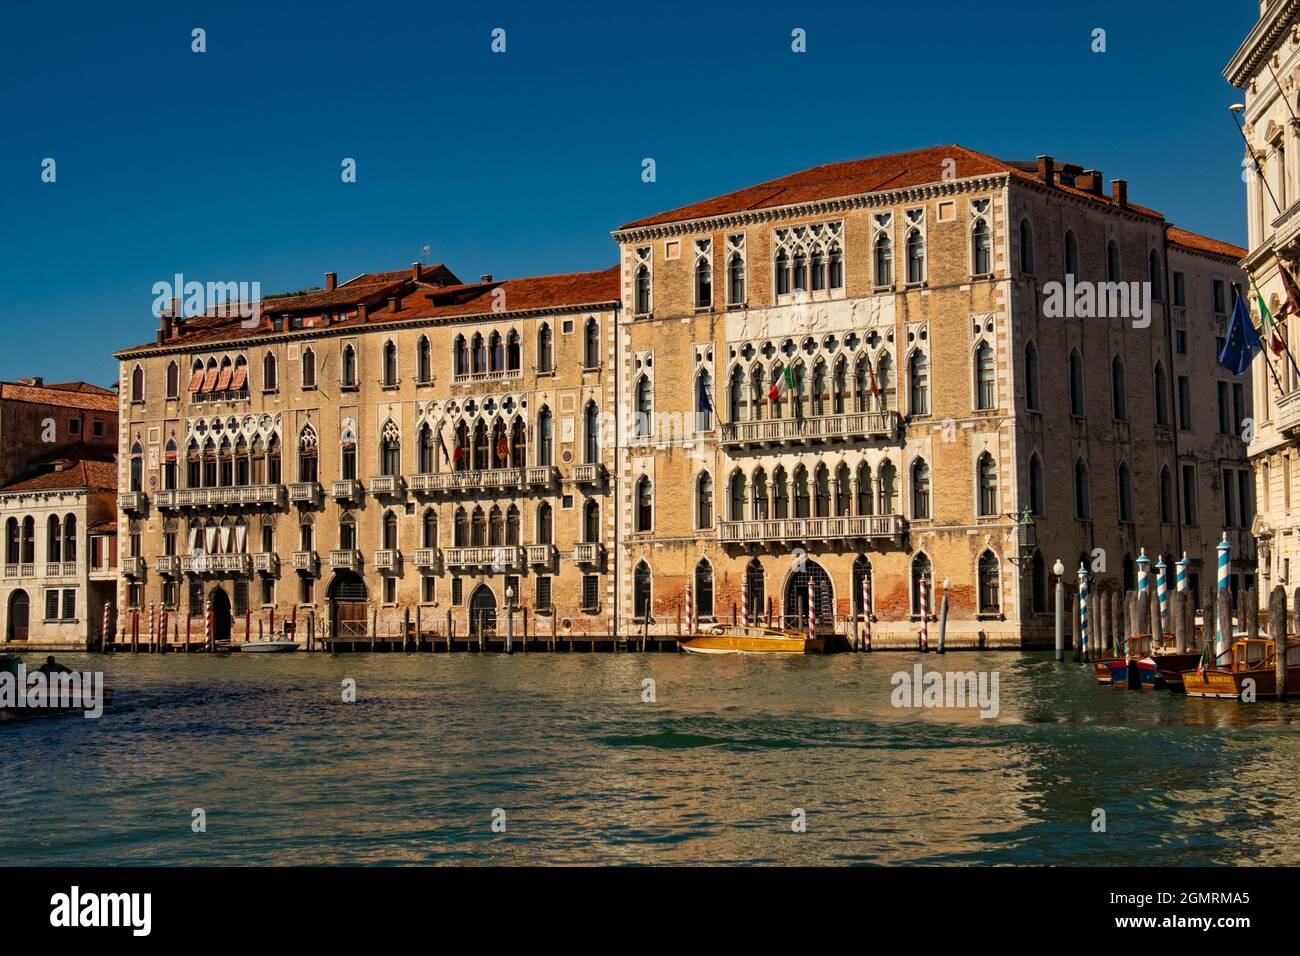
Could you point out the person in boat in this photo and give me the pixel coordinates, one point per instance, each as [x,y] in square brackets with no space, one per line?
[51,666]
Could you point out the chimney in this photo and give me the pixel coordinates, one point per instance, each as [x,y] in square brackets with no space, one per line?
[362,312]
[1047,170]
[165,332]
[485,278]
[417,271]
[1119,191]
[394,303]
[331,280]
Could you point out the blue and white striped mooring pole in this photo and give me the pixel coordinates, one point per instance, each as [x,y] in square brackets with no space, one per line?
[1222,641]
[1144,570]
[1162,595]
[1083,610]
[1180,573]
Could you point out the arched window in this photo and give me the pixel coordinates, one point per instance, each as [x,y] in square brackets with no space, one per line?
[169,467]
[429,529]
[1036,498]
[704,501]
[704,589]
[1118,390]
[54,540]
[390,531]
[1082,493]
[736,278]
[757,393]
[347,533]
[460,528]
[704,402]
[887,488]
[460,355]
[1166,496]
[1039,572]
[987,476]
[862,575]
[390,363]
[482,453]
[514,352]
[1031,376]
[920,489]
[990,584]
[425,450]
[1076,384]
[1156,276]
[478,354]
[1125,493]
[836,266]
[500,445]
[780,494]
[11,541]
[496,353]
[820,389]
[348,460]
[758,496]
[921,571]
[423,361]
[737,496]
[843,492]
[1162,395]
[545,349]
[269,377]
[545,437]
[737,398]
[1071,255]
[756,585]
[173,380]
[644,504]
[885,382]
[308,368]
[591,433]
[1112,261]
[518,444]
[478,527]
[840,387]
[137,384]
[137,468]
[644,408]
[703,283]
[800,491]
[591,521]
[918,384]
[308,457]
[512,526]
[986,386]
[1026,248]
[641,591]
[497,528]
[915,257]
[981,243]
[821,492]
[390,449]
[642,289]
[884,260]
[349,370]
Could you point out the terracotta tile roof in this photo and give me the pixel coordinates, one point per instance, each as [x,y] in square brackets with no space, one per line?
[1192,240]
[91,397]
[858,176]
[420,300]
[79,475]
[103,527]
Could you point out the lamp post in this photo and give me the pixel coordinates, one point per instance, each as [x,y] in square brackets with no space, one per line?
[1059,570]
[510,619]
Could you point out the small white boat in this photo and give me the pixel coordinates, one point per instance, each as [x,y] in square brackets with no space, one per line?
[270,645]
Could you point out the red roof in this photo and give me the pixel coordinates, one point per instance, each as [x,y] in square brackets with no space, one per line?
[78,475]
[86,396]
[1192,240]
[859,176]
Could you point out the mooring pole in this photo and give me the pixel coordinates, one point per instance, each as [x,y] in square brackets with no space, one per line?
[943,617]
[1277,628]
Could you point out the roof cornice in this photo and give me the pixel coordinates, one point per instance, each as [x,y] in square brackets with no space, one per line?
[1260,41]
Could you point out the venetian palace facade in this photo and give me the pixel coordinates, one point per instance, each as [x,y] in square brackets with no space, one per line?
[616,449]
[1266,67]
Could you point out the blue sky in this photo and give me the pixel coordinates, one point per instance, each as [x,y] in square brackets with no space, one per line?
[225,165]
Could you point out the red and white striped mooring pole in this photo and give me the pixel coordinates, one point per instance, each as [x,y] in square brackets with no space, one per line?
[925,613]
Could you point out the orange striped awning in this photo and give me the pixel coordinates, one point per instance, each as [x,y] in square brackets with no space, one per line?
[223,383]
[196,381]
[241,376]
[210,381]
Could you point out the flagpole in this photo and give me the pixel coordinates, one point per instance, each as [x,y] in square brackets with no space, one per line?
[1254,159]
[1282,274]
[1236,291]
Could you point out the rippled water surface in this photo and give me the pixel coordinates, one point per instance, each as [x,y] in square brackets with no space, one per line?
[587,773]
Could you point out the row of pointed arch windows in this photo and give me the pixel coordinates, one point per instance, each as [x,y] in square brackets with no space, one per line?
[493,353]
[223,464]
[862,387]
[60,540]
[1155,269]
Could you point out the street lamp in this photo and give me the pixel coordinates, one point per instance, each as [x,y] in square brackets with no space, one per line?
[1026,535]
[1059,570]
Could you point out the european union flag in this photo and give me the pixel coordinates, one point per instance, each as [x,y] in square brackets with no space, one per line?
[702,403]
[1242,342]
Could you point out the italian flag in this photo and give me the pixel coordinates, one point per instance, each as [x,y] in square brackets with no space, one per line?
[781,385]
[1266,319]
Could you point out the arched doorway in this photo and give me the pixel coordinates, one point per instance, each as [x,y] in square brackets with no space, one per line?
[795,604]
[221,615]
[482,612]
[349,605]
[19,606]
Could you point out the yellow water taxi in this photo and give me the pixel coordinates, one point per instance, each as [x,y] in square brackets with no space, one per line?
[739,639]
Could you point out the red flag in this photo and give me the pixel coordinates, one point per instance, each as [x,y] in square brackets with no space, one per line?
[503,450]
[1292,306]
[458,453]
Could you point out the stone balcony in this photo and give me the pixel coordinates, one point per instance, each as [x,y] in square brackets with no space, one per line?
[24,569]
[590,474]
[507,558]
[60,569]
[386,486]
[131,567]
[237,497]
[491,479]
[345,489]
[216,563]
[785,533]
[132,502]
[1286,412]
[308,562]
[541,555]
[590,553]
[167,563]
[345,560]
[267,562]
[388,560]
[851,426]
[305,491]
[428,559]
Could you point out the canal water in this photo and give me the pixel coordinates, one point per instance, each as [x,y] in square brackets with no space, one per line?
[718,768]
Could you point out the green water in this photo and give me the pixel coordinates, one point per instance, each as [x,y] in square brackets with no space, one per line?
[586,772]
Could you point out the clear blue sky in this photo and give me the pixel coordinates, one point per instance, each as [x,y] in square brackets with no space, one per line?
[225,165]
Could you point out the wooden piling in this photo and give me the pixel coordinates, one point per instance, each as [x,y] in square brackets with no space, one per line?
[1157,625]
[1252,611]
[1099,636]
[1076,631]
[1277,630]
[1223,618]
[1178,616]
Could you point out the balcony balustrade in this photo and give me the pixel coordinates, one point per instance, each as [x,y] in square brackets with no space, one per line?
[345,560]
[388,486]
[851,426]
[305,491]
[131,567]
[428,559]
[307,562]
[590,474]
[589,552]
[507,558]
[491,479]
[267,562]
[388,560]
[167,564]
[236,496]
[541,555]
[132,502]
[346,489]
[792,532]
